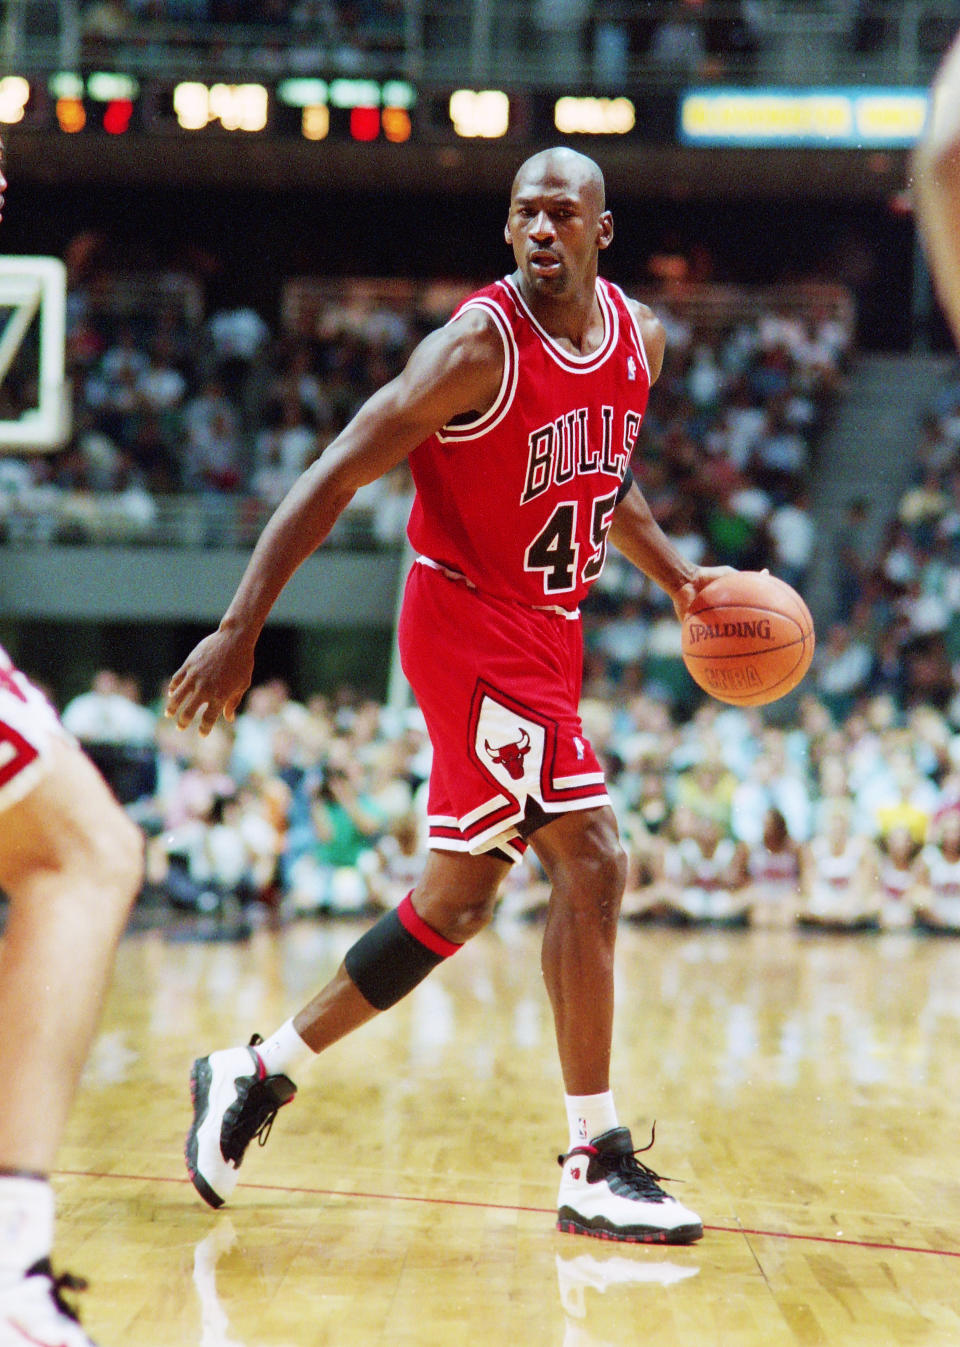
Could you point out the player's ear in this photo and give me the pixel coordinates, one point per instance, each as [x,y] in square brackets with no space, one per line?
[605,230]
[506,233]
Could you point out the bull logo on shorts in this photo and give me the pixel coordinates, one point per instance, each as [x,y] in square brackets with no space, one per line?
[510,756]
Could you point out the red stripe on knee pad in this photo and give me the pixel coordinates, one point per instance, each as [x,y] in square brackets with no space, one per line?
[418,928]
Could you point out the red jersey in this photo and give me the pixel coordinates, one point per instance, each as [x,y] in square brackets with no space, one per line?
[520,499]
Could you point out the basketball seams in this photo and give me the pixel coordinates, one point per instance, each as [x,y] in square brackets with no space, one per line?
[803,621]
[757,698]
[747,638]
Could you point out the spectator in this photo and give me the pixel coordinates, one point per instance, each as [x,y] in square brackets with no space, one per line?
[773,867]
[838,877]
[899,878]
[792,537]
[118,734]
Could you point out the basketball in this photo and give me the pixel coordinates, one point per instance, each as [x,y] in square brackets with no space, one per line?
[747,638]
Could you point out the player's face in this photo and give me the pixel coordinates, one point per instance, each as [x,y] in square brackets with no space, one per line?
[556,228]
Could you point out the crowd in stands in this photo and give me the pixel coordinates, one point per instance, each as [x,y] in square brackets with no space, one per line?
[319,808]
[842,817]
[677,37]
[897,627]
[606,40]
[223,410]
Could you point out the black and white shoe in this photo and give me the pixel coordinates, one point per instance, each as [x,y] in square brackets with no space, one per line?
[234,1100]
[33,1312]
[606,1192]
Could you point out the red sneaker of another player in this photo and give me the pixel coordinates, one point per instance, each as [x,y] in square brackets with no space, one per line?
[606,1192]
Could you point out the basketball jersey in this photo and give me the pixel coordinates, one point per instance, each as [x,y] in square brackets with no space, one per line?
[520,499]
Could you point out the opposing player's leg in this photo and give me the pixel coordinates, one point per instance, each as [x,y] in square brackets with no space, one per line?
[237,1092]
[70,865]
[604,1190]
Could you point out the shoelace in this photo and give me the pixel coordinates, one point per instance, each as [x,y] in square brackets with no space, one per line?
[63,1281]
[265,1119]
[641,1176]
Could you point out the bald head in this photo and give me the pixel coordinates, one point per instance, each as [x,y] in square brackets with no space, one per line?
[562,167]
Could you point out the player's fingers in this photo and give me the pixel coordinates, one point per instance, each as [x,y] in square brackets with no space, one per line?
[189,708]
[177,678]
[211,714]
[172,704]
[231,704]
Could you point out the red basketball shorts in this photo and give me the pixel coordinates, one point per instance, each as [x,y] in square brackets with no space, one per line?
[28,723]
[499,685]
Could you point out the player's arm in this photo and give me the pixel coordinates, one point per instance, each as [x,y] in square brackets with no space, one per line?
[654,336]
[936,167]
[634,531]
[456,370]
[636,534]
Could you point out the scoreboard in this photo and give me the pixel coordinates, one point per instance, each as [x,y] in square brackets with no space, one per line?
[113,103]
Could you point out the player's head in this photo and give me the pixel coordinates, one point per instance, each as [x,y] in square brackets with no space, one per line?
[558,221]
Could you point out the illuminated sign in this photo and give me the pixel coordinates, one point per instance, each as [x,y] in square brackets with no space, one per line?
[110,88]
[826,118]
[237,107]
[14,96]
[114,103]
[594,116]
[360,99]
[484,113]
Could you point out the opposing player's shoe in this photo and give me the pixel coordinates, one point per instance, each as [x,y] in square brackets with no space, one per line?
[606,1192]
[33,1312]
[234,1100]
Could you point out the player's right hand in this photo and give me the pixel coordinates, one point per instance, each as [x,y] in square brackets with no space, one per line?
[210,682]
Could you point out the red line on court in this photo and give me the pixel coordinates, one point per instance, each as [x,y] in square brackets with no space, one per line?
[508,1206]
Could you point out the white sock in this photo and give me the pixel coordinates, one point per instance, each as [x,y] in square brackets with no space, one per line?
[26,1224]
[589,1115]
[285,1053]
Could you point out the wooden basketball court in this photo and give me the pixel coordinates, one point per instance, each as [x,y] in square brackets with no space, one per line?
[806,1096]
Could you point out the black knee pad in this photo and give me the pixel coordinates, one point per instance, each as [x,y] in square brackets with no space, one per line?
[395,955]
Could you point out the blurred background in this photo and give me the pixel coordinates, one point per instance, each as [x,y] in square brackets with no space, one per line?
[261,208]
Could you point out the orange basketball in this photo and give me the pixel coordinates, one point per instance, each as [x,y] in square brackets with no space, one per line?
[747,638]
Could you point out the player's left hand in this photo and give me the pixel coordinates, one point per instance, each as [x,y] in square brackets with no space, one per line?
[211,681]
[688,592]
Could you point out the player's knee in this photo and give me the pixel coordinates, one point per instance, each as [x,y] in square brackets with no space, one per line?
[114,858]
[458,917]
[595,875]
[467,921]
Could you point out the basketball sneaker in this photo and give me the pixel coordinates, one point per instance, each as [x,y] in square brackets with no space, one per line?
[33,1312]
[234,1100]
[607,1192]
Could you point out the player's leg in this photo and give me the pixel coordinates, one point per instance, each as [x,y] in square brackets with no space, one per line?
[586,865]
[604,1190]
[70,865]
[238,1091]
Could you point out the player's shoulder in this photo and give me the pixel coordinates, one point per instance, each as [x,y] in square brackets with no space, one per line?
[642,313]
[651,329]
[475,332]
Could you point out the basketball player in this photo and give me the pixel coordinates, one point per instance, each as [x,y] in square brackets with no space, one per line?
[70,866]
[936,166]
[519,418]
